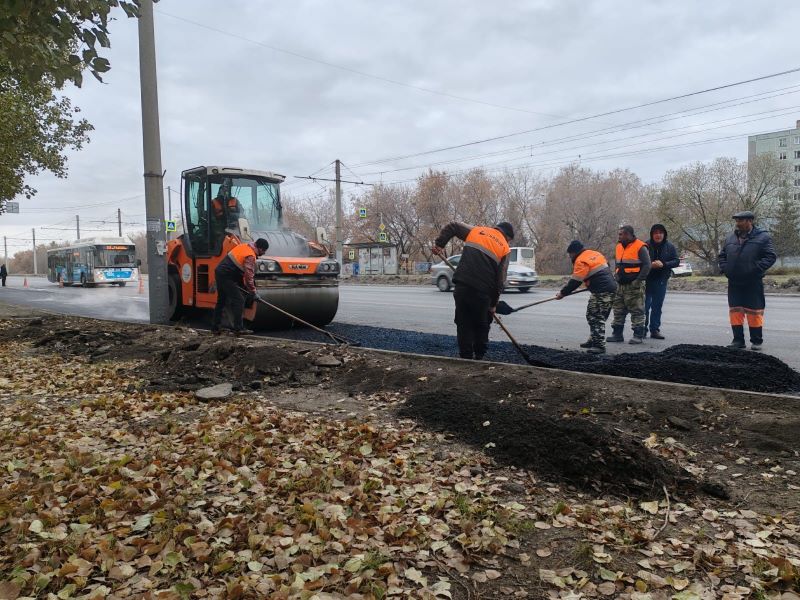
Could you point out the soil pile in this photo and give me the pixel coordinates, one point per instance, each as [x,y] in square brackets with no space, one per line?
[578,451]
[713,366]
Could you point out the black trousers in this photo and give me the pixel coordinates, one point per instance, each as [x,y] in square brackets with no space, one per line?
[229,294]
[4,281]
[746,302]
[472,321]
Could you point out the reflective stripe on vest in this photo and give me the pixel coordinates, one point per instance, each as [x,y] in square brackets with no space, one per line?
[240,253]
[588,263]
[489,241]
[628,257]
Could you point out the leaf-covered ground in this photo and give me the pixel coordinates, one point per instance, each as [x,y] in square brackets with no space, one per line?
[110,489]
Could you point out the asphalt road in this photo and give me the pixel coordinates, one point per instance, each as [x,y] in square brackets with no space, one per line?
[688,318]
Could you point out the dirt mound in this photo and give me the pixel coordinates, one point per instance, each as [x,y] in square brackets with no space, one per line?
[578,451]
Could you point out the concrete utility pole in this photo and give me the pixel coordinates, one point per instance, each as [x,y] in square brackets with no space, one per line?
[78,227]
[35,268]
[119,221]
[5,250]
[339,240]
[153,174]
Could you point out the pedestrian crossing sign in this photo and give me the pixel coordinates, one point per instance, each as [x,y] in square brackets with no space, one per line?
[382,237]
[362,213]
[171,225]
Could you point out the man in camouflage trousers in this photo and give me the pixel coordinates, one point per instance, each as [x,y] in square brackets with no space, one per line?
[590,268]
[633,265]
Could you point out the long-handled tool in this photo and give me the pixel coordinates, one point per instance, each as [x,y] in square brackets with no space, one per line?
[504,308]
[528,359]
[339,340]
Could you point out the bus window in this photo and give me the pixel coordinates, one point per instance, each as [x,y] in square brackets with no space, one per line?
[197,215]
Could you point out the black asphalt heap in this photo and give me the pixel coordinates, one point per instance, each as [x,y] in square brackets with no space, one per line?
[713,366]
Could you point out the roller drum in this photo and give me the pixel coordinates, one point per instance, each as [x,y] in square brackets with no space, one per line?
[316,304]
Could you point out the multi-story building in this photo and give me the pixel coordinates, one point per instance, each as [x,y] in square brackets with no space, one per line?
[784,145]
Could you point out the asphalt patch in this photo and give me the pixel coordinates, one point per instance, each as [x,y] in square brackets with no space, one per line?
[575,450]
[713,366]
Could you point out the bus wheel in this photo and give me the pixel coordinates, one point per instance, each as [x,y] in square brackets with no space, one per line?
[175,298]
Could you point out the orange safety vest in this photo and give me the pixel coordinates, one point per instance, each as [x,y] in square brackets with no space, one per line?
[240,253]
[588,263]
[489,241]
[628,257]
[216,204]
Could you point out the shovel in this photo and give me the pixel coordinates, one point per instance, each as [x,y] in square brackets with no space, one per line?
[528,359]
[339,340]
[504,308]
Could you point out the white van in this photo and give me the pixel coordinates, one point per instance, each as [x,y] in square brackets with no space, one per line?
[521,271]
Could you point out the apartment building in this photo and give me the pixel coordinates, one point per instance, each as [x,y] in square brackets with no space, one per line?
[785,145]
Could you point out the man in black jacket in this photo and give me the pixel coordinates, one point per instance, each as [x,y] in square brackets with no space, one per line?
[663,258]
[479,278]
[744,259]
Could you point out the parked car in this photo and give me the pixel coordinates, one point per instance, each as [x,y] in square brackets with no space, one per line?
[520,276]
[684,269]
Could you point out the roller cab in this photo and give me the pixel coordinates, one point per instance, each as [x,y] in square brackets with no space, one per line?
[224,206]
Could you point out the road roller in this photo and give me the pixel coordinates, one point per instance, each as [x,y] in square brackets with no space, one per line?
[224,206]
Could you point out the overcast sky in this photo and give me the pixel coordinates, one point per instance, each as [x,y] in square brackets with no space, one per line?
[233,91]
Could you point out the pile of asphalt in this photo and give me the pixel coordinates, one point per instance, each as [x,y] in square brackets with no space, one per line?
[713,366]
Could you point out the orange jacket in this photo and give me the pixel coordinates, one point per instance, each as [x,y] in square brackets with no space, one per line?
[217,206]
[489,241]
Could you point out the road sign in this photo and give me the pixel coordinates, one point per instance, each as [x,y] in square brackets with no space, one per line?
[12,207]
[171,225]
[351,254]
[362,213]
[382,237]
[382,227]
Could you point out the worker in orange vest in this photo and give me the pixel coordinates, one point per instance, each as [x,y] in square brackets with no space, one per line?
[479,279]
[590,268]
[234,272]
[633,265]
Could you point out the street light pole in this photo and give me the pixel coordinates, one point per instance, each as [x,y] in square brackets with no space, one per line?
[153,174]
[339,240]
[35,268]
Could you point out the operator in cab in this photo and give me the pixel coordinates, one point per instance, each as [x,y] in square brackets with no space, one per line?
[234,272]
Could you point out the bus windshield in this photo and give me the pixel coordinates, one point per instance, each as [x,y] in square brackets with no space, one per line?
[116,256]
[257,200]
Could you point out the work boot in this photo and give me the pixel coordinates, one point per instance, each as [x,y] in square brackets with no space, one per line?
[216,330]
[756,347]
[596,350]
[616,335]
[656,335]
[238,332]
[638,336]
[588,344]
[738,338]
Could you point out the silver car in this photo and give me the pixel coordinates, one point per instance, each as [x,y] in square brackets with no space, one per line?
[519,277]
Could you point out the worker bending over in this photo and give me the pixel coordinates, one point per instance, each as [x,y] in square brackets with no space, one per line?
[590,268]
[479,279]
[234,272]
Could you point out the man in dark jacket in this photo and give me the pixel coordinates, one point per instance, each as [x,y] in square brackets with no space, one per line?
[479,279]
[663,258]
[234,272]
[632,267]
[591,269]
[744,259]
[3,274]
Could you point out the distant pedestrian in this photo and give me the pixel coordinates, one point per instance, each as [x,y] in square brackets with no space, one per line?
[746,256]
[590,268]
[236,272]
[3,273]
[479,280]
[663,258]
[632,268]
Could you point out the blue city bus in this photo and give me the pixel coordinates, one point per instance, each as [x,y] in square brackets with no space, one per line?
[94,261]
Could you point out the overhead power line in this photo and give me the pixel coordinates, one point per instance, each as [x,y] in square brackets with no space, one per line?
[381,78]
[581,119]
